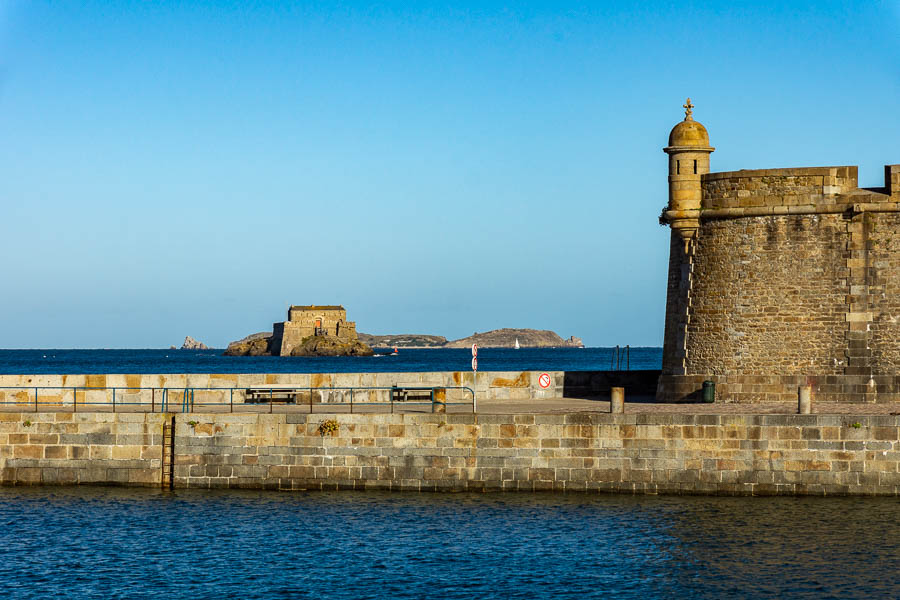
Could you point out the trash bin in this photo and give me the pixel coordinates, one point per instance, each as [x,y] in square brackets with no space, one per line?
[709,391]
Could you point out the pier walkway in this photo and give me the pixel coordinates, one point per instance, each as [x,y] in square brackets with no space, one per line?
[556,405]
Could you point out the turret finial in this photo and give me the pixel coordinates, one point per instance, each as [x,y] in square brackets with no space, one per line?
[688,110]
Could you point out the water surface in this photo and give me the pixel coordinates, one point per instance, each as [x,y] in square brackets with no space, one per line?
[84,543]
[407,360]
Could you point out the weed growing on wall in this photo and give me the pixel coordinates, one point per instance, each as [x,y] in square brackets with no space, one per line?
[328,427]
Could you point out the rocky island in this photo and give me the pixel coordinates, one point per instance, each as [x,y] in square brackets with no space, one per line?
[309,331]
[403,340]
[498,338]
[325,331]
[526,338]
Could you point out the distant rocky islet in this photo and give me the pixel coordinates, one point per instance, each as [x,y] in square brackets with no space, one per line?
[497,338]
[323,330]
[260,344]
[526,338]
[191,344]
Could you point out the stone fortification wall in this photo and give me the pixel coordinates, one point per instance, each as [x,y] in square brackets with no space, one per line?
[645,453]
[807,187]
[215,387]
[792,280]
[769,296]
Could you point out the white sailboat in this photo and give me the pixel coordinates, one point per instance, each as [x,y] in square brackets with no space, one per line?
[517,344]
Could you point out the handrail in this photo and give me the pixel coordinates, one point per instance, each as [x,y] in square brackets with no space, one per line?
[69,396]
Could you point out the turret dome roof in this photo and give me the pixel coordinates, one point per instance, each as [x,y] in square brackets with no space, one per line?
[689,133]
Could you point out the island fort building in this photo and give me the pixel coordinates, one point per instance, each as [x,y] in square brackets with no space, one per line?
[779,278]
[305,321]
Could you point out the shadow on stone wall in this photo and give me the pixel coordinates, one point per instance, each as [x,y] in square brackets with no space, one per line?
[639,385]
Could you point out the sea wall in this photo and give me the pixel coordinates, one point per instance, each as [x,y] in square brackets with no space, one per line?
[145,388]
[630,453]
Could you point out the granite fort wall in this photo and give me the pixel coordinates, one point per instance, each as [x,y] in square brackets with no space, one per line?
[793,280]
[630,453]
[489,385]
[810,187]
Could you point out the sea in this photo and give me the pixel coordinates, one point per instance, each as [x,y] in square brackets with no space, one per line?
[64,362]
[100,543]
[88,542]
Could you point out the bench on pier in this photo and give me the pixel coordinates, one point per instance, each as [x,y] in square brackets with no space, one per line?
[412,394]
[286,395]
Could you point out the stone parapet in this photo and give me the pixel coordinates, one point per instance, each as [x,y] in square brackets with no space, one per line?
[892,180]
[146,388]
[811,187]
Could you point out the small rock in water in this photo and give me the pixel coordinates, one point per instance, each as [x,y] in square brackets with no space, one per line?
[192,344]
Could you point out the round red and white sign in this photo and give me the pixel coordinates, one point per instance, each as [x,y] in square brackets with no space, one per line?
[474,363]
[474,349]
[544,380]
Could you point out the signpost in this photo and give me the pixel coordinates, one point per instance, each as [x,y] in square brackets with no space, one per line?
[544,380]
[474,373]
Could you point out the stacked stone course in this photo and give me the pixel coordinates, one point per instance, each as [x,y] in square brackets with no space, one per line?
[67,448]
[631,453]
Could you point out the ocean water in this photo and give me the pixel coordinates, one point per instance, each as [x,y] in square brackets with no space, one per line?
[407,360]
[99,543]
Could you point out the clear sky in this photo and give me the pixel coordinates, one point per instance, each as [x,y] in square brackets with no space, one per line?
[172,169]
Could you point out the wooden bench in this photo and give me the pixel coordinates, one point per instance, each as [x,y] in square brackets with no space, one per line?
[411,394]
[286,395]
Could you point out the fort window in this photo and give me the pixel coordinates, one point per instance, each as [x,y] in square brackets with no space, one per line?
[678,167]
[695,167]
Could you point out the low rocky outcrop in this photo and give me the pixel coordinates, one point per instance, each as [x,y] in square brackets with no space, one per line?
[192,344]
[403,340]
[506,338]
[326,345]
[258,344]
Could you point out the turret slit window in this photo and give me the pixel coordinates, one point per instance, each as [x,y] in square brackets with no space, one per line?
[695,167]
[678,167]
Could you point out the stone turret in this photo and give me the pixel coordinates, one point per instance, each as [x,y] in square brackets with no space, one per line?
[688,152]
[790,280]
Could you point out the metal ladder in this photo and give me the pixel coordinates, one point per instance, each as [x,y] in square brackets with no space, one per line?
[167,462]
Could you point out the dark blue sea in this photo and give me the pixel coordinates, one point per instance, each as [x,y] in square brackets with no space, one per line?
[101,543]
[406,361]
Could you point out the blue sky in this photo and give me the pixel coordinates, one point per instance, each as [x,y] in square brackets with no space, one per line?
[172,169]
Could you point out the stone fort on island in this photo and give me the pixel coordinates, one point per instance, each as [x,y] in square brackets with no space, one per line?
[307,321]
[779,278]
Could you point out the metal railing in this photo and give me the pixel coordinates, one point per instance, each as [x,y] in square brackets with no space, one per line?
[236,399]
[620,356]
